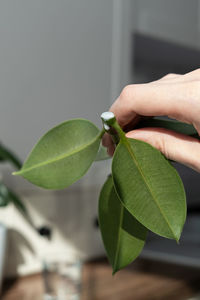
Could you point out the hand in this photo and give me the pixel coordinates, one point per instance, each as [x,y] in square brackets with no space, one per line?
[175,96]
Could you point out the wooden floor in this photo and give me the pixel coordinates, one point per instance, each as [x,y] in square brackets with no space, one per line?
[141,281]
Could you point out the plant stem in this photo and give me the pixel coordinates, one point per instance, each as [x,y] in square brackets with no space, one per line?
[112,127]
[102,133]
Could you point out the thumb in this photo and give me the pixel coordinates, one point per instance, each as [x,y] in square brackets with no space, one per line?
[175,146]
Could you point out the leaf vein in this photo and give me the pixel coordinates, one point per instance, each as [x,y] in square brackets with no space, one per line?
[118,238]
[61,157]
[150,191]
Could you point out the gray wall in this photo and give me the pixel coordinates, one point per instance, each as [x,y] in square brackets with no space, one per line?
[55,60]
[65,59]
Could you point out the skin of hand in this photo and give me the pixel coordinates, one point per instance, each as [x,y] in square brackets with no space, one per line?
[176,96]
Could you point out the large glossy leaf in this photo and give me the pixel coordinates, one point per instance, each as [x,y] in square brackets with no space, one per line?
[122,234]
[62,155]
[149,187]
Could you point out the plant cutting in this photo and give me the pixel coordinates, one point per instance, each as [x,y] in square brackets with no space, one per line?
[144,191]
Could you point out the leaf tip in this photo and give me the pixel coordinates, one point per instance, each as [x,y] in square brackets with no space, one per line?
[177,237]
[114,272]
[16,173]
[115,269]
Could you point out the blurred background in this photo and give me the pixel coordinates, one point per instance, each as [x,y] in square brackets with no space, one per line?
[66,59]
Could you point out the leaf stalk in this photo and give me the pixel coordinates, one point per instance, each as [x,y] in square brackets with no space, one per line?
[112,127]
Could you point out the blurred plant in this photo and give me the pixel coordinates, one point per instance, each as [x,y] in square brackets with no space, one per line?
[7,196]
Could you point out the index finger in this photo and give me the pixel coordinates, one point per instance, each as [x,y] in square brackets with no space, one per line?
[155,99]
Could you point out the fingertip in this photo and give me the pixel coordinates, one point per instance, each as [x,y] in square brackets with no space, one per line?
[108,143]
[111,150]
[175,146]
[106,140]
[136,133]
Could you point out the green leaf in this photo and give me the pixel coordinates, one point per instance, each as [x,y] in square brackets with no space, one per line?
[7,155]
[169,124]
[122,234]
[20,206]
[102,154]
[18,203]
[62,155]
[7,196]
[149,187]
[4,195]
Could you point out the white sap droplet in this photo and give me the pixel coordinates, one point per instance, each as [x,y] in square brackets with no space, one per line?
[107,115]
[106,127]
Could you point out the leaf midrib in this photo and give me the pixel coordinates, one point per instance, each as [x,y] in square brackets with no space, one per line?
[118,235]
[47,162]
[127,144]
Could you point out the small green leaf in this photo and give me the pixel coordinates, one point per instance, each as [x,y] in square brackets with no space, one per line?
[149,187]
[7,196]
[4,195]
[102,154]
[122,234]
[62,155]
[169,124]
[20,206]
[17,203]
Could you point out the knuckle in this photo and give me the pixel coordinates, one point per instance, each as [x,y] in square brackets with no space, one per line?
[161,144]
[193,159]
[127,92]
[169,75]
